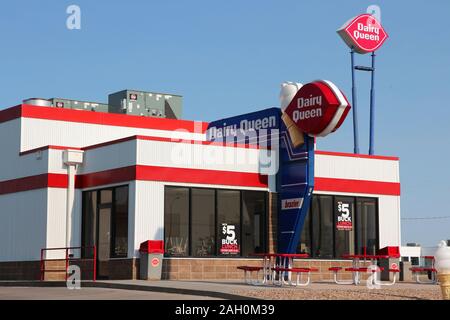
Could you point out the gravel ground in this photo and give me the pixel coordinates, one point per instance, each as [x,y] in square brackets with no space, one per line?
[318,291]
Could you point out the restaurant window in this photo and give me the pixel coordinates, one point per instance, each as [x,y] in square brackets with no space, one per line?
[334,227]
[253,224]
[366,226]
[344,213]
[228,222]
[176,221]
[322,226]
[120,224]
[89,223]
[304,246]
[203,222]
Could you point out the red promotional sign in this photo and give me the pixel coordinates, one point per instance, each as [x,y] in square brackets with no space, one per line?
[318,108]
[364,33]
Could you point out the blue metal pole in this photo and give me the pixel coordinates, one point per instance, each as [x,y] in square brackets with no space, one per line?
[355,114]
[372,108]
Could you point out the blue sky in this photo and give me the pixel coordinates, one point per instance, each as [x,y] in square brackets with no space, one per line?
[229,57]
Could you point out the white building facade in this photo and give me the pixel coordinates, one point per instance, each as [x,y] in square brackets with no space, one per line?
[73,178]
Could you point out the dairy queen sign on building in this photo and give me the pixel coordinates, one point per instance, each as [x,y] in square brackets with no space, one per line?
[112,175]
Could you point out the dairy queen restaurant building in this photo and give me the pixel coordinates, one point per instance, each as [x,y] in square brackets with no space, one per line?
[112,175]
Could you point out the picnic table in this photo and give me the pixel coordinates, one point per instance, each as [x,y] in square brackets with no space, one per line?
[428,269]
[357,268]
[278,266]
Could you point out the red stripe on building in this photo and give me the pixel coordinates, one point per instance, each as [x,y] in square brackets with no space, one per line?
[229,178]
[101,118]
[356,186]
[112,176]
[353,155]
[183,175]
[170,174]
[50,180]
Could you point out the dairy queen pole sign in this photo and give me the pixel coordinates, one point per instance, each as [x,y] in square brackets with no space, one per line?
[363,34]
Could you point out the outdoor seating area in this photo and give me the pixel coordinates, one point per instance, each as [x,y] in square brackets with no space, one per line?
[278,269]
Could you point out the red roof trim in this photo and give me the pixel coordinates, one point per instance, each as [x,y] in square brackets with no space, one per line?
[101,118]
[10,113]
[364,156]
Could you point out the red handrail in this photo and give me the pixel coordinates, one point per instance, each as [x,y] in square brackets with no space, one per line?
[67,260]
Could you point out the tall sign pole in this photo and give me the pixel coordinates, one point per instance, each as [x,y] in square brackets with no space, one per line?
[363,34]
[355,114]
[372,108]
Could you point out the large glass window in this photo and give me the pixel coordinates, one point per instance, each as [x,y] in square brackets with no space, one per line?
[203,222]
[304,246]
[338,225]
[366,226]
[89,222]
[217,222]
[176,221]
[344,209]
[253,222]
[120,231]
[229,217]
[322,226]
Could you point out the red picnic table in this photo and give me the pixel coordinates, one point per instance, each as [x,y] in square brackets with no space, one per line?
[357,268]
[280,264]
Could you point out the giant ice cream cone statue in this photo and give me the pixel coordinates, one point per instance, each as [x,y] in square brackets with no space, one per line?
[442,258]
[295,133]
[288,91]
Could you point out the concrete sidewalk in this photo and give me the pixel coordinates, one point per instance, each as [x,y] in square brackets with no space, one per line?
[220,290]
[237,290]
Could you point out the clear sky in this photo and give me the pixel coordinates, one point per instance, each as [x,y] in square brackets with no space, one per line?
[229,57]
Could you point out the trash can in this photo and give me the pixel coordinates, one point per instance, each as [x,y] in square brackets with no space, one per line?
[152,252]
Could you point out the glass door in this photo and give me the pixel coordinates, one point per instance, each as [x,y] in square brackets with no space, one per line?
[104,233]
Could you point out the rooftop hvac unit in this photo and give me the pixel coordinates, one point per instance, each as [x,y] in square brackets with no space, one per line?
[38,102]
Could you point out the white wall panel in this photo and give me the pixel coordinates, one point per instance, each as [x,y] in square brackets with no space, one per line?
[389,221]
[109,157]
[149,213]
[12,166]
[23,223]
[356,168]
[56,222]
[74,134]
[184,155]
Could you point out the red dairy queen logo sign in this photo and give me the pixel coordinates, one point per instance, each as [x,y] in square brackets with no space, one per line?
[318,108]
[363,33]
[155,262]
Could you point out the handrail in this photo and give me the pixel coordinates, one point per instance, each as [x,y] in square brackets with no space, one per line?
[67,260]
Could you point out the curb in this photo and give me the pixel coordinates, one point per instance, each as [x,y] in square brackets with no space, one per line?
[123,286]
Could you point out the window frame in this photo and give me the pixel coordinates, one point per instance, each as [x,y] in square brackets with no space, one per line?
[98,206]
[216,255]
[355,223]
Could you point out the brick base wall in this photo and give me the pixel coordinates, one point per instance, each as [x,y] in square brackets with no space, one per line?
[173,269]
